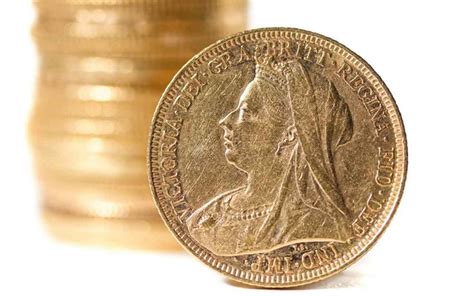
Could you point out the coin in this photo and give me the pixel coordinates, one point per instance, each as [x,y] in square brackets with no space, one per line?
[89,167]
[95,92]
[95,149]
[144,233]
[123,146]
[156,9]
[277,156]
[106,200]
[106,70]
[170,29]
[98,63]
[87,109]
[131,47]
[157,78]
[90,126]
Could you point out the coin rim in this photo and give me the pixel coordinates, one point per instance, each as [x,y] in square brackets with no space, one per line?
[372,235]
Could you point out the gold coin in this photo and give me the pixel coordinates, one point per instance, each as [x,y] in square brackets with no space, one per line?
[49,175]
[277,156]
[116,34]
[89,167]
[132,127]
[91,10]
[131,47]
[138,233]
[124,146]
[140,28]
[106,64]
[90,109]
[106,200]
[156,78]
[95,92]
[147,4]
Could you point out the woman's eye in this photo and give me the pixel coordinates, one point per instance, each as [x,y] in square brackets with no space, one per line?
[244,112]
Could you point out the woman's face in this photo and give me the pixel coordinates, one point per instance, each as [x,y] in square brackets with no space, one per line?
[253,130]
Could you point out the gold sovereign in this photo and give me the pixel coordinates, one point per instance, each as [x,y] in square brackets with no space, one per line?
[94,92]
[140,233]
[277,157]
[106,200]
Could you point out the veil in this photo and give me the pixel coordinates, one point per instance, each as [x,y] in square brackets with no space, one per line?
[323,123]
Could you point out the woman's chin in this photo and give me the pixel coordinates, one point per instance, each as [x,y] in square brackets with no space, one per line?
[230,155]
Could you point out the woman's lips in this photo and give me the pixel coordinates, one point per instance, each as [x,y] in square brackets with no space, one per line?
[227,143]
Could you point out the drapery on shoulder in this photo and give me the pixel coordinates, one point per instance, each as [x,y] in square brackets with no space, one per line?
[209,214]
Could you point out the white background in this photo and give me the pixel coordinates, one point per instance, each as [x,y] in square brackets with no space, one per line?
[424,51]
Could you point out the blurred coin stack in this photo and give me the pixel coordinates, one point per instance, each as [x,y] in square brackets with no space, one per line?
[103,65]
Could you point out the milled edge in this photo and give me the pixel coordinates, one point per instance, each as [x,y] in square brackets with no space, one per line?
[365,243]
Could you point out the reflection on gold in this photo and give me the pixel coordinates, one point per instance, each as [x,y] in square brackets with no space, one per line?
[103,67]
[95,64]
[73,93]
[99,93]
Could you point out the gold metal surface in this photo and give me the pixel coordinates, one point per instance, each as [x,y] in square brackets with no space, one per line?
[144,233]
[103,65]
[277,157]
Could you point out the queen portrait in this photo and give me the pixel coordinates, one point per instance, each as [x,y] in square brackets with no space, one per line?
[283,135]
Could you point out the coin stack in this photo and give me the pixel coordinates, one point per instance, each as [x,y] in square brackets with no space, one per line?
[103,66]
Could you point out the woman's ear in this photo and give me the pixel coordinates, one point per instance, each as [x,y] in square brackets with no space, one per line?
[288,139]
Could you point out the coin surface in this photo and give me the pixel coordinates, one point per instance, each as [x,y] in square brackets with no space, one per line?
[277,156]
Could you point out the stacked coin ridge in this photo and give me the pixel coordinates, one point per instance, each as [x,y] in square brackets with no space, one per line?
[103,65]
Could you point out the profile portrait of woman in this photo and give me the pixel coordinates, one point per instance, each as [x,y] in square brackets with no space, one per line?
[283,135]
